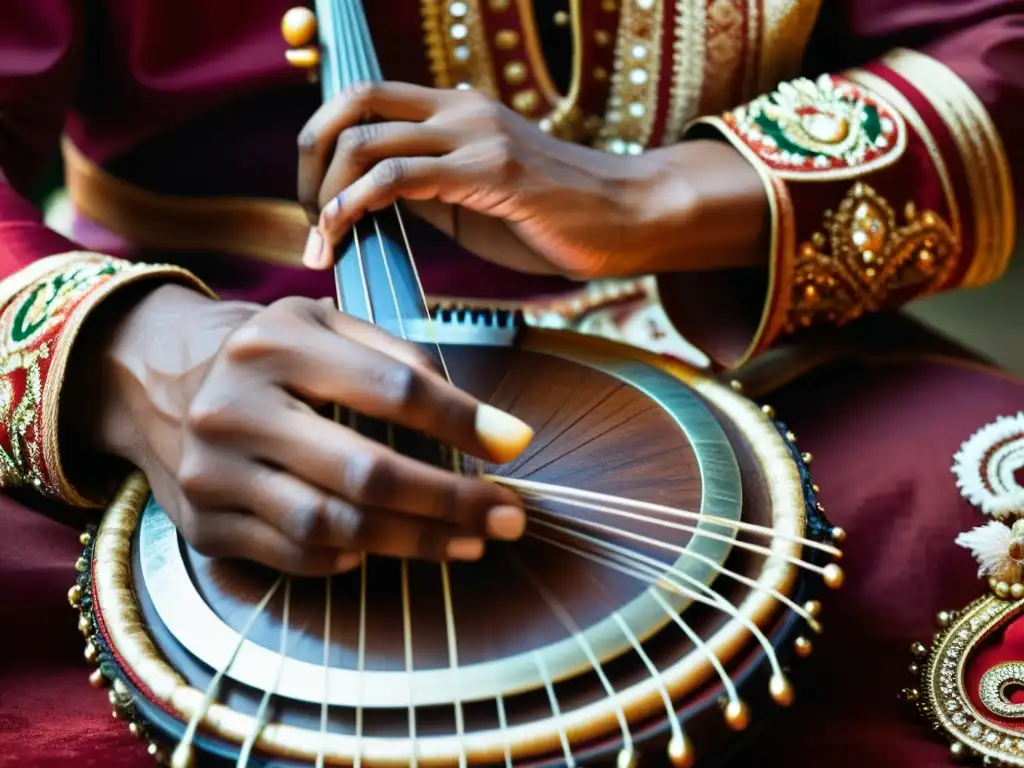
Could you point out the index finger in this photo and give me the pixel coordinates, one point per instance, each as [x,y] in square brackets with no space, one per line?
[359,103]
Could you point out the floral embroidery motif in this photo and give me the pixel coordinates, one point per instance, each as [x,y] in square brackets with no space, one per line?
[826,129]
[863,256]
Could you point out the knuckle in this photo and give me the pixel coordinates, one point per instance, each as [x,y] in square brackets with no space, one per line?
[398,385]
[251,341]
[211,413]
[361,94]
[306,521]
[351,524]
[354,141]
[448,503]
[366,478]
[308,140]
[390,172]
[191,475]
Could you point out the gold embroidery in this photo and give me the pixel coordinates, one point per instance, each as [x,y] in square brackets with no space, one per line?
[687,67]
[456,45]
[906,109]
[993,687]
[723,55]
[862,257]
[633,102]
[783,29]
[21,465]
[983,156]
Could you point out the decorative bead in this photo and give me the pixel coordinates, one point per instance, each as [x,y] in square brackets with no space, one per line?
[515,72]
[914,669]
[136,730]
[736,386]
[298,27]
[506,39]
[790,436]
[815,488]
[113,698]
[85,624]
[96,678]
[92,653]
[75,596]
[602,37]
[303,58]
[81,565]
[957,750]
[768,411]
[680,753]
[781,690]
[807,457]
[803,647]
[1002,590]
[609,6]
[526,101]
[1017,591]
[813,608]
[499,5]
[833,576]
[458,9]
[600,74]
[838,534]
[918,649]
[737,715]
[562,18]
[85,539]
[910,695]
[626,758]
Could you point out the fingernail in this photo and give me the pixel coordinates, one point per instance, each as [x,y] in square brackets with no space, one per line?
[506,522]
[312,256]
[464,549]
[332,208]
[347,561]
[502,434]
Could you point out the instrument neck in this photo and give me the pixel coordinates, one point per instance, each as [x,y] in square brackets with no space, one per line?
[346,46]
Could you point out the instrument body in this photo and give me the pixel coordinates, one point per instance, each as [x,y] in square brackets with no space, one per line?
[656,599]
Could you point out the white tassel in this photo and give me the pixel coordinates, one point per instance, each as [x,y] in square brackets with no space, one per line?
[990,545]
[987,464]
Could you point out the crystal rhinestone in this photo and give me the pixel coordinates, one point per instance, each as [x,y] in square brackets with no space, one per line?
[634,149]
[458,9]
[645,4]
[458,31]
[951,705]
[974,731]
[638,76]
[614,116]
[959,718]
[991,738]
[618,146]
[636,109]
[461,52]
[463,87]
[639,52]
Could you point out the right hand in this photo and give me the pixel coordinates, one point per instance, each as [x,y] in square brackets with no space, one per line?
[218,419]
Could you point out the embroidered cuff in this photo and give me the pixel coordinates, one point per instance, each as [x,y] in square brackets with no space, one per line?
[42,309]
[885,184]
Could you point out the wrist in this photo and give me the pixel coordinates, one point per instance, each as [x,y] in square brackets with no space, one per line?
[704,206]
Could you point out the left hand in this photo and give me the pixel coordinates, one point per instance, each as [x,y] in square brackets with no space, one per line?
[572,207]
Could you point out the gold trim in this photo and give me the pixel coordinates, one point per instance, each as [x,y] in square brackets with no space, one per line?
[901,104]
[15,283]
[462,61]
[112,579]
[785,29]
[981,152]
[633,98]
[535,56]
[688,62]
[270,230]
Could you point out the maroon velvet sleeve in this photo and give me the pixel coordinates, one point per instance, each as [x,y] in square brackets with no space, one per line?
[920,200]
[40,49]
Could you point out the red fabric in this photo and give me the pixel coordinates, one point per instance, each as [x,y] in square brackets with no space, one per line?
[1003,646]
[882,440]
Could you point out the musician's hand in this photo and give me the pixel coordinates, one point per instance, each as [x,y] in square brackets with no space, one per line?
[573,210]
[216,415]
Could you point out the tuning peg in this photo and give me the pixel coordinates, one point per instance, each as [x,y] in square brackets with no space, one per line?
[298,28]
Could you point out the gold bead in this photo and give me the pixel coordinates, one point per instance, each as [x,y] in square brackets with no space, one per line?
[680,753]
[91,652]
[303,58]
[819,240]
[807,457]
[81,565]
[833,576]
[803,647]
[815,488]
[113,698]
[84,624]
[914,669]
[96,678]
[1017,591]
[736,386]
[737,715]
[942,618]
[136,730]
[562,18]
[182,757]
[499,5]
[992,582]
[781,690]
[910,695]
[506,39]
[768,411]
[526,101]
[600,74]
[838,534]
[75,596]
[626,758]
[298,26]
[85,539]
[790,436]
[515,72]
[602,37]
[609,6]
[121,688]
[813,608]
[117,714]
[957,750]
[1002,590]
[918,649]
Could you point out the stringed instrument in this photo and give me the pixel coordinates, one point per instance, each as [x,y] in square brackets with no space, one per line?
[654,607]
